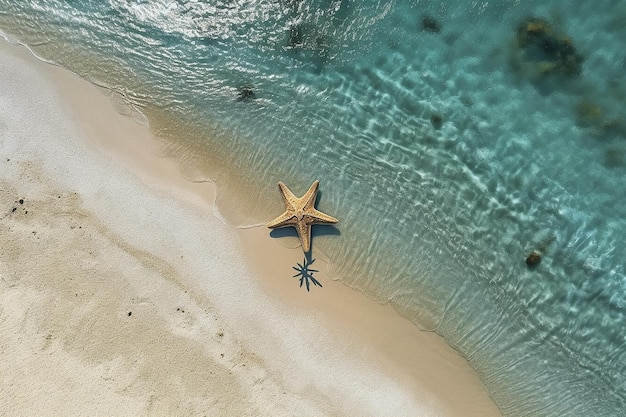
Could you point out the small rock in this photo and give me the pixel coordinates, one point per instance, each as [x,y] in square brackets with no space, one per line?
[296,36]
[436,120]
[533,259]
[430,24]
[246,94]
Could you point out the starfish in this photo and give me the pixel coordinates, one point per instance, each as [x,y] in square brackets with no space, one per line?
[301,214]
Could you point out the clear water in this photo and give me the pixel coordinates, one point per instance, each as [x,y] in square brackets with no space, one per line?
[445,155]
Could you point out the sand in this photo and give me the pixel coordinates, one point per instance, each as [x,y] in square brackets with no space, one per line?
[122,292]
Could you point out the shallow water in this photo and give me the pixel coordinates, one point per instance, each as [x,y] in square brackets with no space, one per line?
[446,156]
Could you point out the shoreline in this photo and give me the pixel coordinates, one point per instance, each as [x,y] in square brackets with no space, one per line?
[248,324]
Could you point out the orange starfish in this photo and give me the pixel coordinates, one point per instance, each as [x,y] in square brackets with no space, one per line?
[301,214]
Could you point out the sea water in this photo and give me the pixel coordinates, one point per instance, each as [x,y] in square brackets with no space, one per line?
[447,148]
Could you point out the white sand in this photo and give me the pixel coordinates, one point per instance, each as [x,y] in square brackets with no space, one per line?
[121,293]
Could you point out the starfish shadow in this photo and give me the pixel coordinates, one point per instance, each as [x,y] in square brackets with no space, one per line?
[305,273]
[322,230]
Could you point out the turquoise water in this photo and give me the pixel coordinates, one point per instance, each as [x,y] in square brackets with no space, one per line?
[442,147]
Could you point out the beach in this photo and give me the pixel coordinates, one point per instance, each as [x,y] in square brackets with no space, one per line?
[123,292]
[470,153]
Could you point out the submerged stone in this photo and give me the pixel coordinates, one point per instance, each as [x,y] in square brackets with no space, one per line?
[546,50]
[296,36]
[532,28]
[533,259]
[589,114]
[246,94]
[430,24]
[436,120]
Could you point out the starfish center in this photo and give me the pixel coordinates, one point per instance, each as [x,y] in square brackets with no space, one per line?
[301,214]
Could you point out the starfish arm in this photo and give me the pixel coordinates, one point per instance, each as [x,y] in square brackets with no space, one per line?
[322,218]
[304,232]
[285,219]
[308,199]
[288,197]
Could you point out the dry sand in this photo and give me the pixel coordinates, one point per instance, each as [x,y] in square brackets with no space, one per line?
[121,293]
